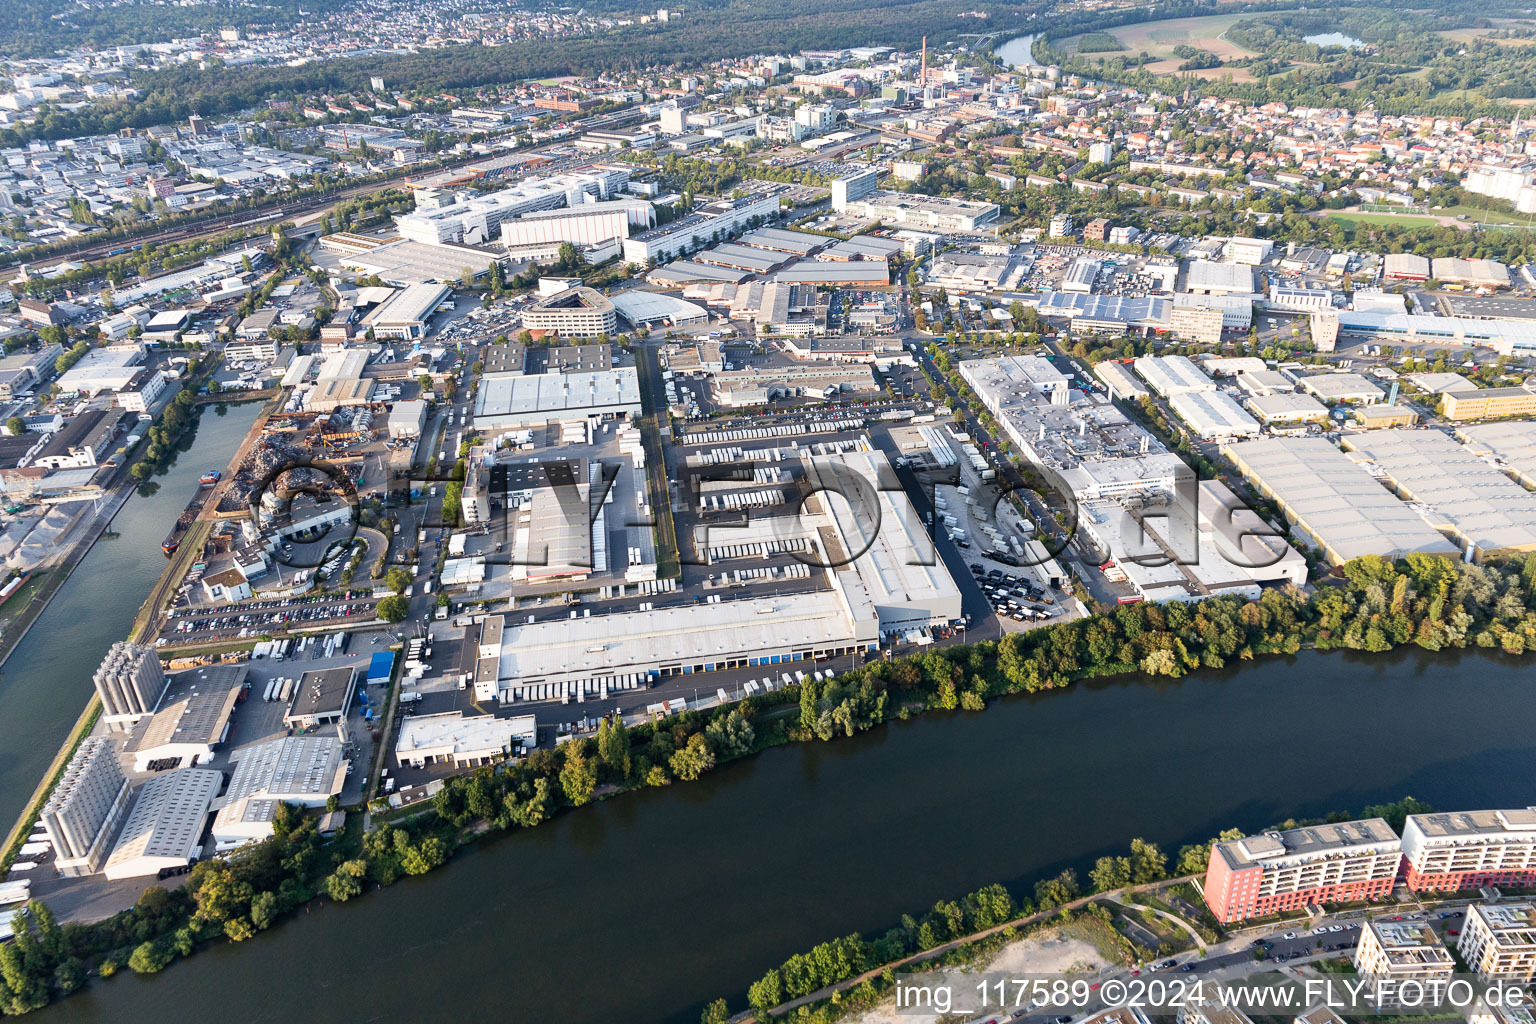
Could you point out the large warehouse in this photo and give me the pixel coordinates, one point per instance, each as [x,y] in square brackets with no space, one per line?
[165,825]
[1333,501]
[1213,414]
[1173,375]
[512,403]
[1457,492]
[886,577]
[305,770]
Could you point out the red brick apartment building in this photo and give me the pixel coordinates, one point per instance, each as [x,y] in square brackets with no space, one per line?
[1265,874]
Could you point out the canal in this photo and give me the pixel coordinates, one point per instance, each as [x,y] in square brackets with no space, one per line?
[47,680]
[645,907]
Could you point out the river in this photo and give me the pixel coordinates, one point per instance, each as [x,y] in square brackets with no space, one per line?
[47,680]
[647,906]
[1015,52]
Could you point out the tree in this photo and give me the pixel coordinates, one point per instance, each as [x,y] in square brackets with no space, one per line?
[1148,863]
[397,579]
[694,759]
[16,425]
[393,608]
[578,777]
[346,881]
[716,1012]
[1110,873]
[151,957]
[613,745]
[766,993]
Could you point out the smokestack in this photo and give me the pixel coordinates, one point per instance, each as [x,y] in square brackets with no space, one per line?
[922,78]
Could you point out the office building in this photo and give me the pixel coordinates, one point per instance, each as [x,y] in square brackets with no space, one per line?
[713,222]
[1455,852]
[580,312]
[1197,323]
[1488,403]
[85,805]
[1265,874]
[854,186]
[1498,942]
[130,683]
[1391,952]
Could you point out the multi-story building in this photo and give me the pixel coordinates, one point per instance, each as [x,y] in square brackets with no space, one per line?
[84,806]
[713,222]
[1469,849]
[130,683]
[1487,403]
[1398,951]
[579,312]
[854,186]
[1266,874]
[1498,941]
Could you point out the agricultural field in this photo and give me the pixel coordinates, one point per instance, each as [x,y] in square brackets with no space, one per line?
[1158,38]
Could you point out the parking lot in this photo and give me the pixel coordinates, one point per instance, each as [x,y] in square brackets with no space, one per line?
[255,618]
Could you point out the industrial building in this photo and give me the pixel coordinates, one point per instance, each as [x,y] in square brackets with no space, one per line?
[185,729]
[405,262]
[1506,337]
[576,312]
[1454,490]
[464,742]
[1498,941]
[1456,851]
[164,827]
[1336,388]
[1120,381]
[511,403]
[1510,445]
[923,212]
[1405,266]
[1173,375]
[85,806]
[305,770]
[1380,417]
[1278,871]
[1332,501]
[1282,409]
[1213,414]
[869,273]
[130,683]
[322,695]
[405,314]
[652,309]
[588,224]
[754,386]
[1204,277]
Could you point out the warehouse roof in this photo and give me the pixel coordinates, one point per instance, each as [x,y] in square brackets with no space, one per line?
[1342,387]
[559,395]
[1335,499]
[1454,490]
[797,242]
[1286,406]
[167,817]
[1213,413]
[818,272]
[1204,275]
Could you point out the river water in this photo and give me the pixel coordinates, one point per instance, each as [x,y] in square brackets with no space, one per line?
[47,680]
[1015,52]
[645,907]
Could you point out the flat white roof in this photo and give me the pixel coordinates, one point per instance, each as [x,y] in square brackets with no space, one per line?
[1336,499]
[1452,488]
[1170,375]
[1213,414]
[559,395]
[454,733]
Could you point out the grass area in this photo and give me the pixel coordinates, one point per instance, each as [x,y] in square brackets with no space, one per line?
[1493,218]
[1158,38]
[1355,220]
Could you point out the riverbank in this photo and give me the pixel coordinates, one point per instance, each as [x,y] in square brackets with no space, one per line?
[1427,595]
